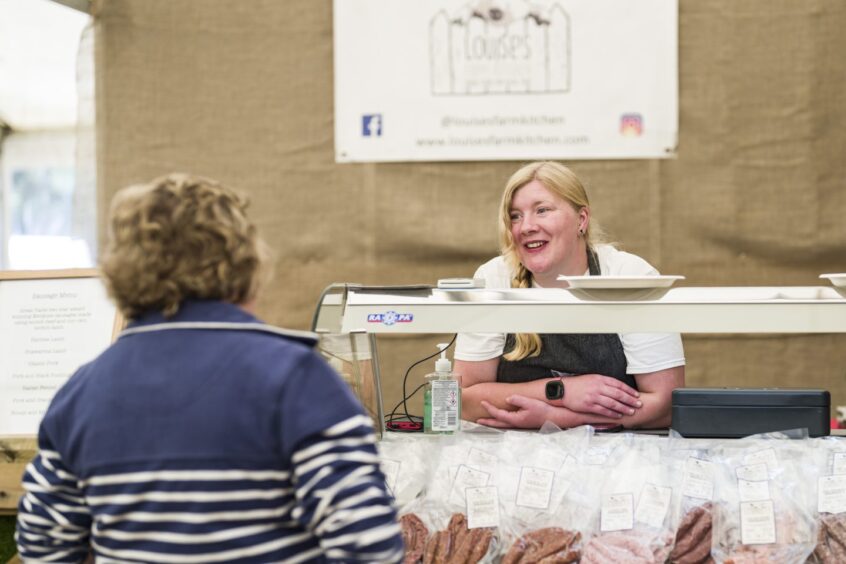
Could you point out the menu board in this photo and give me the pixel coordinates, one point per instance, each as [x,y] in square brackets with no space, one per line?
[51,322]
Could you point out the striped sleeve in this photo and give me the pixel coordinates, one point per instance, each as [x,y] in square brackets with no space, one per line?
[340,489]
[53,519]
[342,495]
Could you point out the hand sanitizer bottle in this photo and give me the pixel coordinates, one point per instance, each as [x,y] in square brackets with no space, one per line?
[442,398]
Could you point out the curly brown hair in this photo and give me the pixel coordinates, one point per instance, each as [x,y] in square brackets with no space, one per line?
[180,237]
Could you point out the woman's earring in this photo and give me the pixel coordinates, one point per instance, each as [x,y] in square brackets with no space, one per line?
[581,232]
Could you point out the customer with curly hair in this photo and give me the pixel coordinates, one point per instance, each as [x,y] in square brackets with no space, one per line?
[202,434]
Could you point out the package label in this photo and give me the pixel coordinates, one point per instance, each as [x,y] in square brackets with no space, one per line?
[482,507]
[535,487]
[757,522]
[616,512]
[652,505]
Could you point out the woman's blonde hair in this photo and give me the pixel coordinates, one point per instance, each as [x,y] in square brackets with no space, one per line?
[180,237]
[562,182]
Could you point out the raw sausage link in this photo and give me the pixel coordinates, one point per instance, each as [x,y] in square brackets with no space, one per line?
[550,545]
[457,544]
[475,546]
[436,548]
[414,536]
[694,545]
[836,530]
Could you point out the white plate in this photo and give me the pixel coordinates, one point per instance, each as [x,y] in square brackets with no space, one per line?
[460,283]
[619,282]
[836,279]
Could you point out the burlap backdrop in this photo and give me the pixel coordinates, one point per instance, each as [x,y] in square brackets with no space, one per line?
[242,92]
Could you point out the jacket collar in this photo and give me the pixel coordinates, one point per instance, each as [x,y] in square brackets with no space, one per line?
[197,310]
[211,315]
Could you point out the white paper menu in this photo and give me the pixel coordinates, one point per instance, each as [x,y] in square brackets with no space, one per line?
[48,328]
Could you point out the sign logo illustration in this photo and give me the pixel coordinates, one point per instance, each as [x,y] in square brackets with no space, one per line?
[390,317]
[500,47]
[371,125]
[631,125]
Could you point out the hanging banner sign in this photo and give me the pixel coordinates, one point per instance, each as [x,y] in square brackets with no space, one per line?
[505,80]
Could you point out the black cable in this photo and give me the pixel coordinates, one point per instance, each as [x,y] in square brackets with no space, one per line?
[416,419]
[406,397]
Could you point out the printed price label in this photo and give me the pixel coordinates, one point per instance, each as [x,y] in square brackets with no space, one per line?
[752,472]
[616,513]
[767,456]
[838,463]
[698,479]
[753,491]
[482,507]
[535,487]
[753,482]
[757,522]
[831,494]
[653,504]
[466,477]
[481,460]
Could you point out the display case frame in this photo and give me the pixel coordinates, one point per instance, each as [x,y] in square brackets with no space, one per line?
[377,310]
[417,309]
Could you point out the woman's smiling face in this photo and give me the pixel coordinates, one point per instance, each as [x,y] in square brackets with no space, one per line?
[546,235]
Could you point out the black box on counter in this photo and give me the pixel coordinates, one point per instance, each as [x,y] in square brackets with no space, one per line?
[739,412]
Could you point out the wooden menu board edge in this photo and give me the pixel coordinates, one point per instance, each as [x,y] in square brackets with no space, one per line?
[49,274]
[15,454]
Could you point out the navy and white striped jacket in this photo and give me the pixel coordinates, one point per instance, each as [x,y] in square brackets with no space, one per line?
[208,437]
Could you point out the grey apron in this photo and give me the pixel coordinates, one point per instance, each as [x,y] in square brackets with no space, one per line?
[569,353]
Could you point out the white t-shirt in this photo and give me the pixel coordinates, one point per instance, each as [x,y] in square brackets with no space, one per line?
[645,352]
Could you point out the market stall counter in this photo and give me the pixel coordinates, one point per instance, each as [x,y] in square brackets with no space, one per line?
[578,495]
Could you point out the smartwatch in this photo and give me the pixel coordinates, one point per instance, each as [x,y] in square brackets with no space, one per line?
[555,389]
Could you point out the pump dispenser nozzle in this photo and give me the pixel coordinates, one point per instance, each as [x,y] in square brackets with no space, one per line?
[443,364]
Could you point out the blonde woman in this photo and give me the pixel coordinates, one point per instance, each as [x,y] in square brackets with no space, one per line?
[523,380]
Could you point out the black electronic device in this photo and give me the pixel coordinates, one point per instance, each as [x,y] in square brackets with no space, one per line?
[404,426]
[554,389]
[739,412]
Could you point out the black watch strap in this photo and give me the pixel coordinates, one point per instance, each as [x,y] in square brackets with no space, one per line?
[555,389]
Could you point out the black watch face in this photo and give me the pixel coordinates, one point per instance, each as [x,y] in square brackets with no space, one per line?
[554,389]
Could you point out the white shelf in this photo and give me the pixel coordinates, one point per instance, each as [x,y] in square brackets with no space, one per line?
[789,309]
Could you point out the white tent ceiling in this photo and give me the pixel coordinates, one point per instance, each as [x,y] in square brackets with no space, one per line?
[38,52]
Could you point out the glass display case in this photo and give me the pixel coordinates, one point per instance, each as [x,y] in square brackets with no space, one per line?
[348,309]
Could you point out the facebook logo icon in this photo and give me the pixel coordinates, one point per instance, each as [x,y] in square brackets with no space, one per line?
[371,125]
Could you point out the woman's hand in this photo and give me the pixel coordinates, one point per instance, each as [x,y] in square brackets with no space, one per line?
[599,395]
[530,413]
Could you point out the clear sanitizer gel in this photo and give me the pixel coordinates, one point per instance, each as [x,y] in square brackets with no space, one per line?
[442,398]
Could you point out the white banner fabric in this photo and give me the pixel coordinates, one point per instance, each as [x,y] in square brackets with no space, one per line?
[447,80]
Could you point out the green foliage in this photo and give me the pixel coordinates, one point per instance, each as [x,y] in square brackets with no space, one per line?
[7,540]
